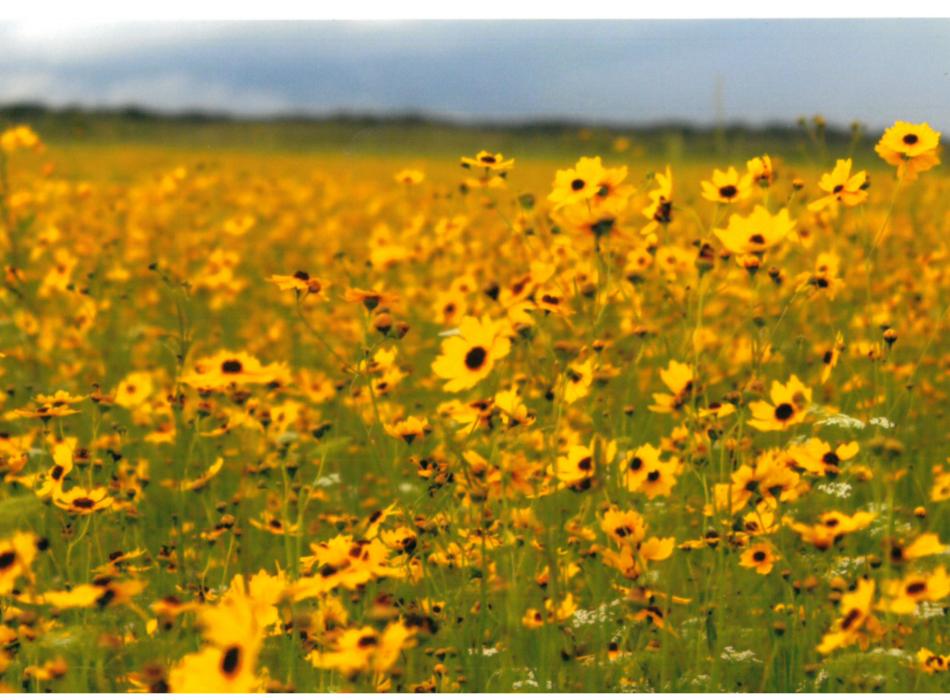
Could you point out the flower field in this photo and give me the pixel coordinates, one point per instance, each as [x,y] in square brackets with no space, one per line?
[475,421]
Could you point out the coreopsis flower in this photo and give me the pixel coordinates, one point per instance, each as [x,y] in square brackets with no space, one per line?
[856,625]
[818,458]
[200,481]
[103,592]
[841,187]
[409,429]
[48,406]
[790,402]
[831,527]
[409,176]
[902,597]
[678,378]
[910,147]
[756,233]
[824,279]
[52,483]
[512,408]
[343,561]
[226,369]
[929,662]
[579,184]
[17,553]
[364,649]
[575,470]
[19,137]
[643,470]
[632,559]
[659,211]
[830,357]
[760,556]
[134,389]
[577,380]
[302,283]
[926,545]
[272,523]
[83,501]
[468,357]
[770,480]
[494,162]
[940,490]
[726,187]
[761,170]
[623,525]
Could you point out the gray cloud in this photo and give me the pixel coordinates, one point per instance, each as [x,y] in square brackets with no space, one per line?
[622,71]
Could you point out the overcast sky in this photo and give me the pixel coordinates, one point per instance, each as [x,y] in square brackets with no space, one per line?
[622,71]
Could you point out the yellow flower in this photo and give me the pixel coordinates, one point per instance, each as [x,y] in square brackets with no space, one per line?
[409,176]
[134,389]
[790,402]
[841,186]
[408,429]
[756,233]
[644,471]
[578,184]
[82,501]
[494,162]
[932,663]
[904,595]
[364,649]
[817,457]
[575,470]
[577,380]
[678,378]
[760,557]
[16,557]
[225,369]
[761,170]
[910,147]
[468,357]
[660,209]
[202,480]
[727,186]
[18,138]
[856,624]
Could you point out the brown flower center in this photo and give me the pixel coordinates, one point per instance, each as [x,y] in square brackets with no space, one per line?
[475,358]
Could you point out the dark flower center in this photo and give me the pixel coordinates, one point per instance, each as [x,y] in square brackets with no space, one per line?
[6,560]
[728,192]
[654,475]
[83,502]
[911,139]
[368,640]
[757,238]
[577,184]
[231,660]
[301,275]
[585,464]
[759,556]
[635,464]
[916,588]
[784,411]
[475,357]
[231,366]
[838,188]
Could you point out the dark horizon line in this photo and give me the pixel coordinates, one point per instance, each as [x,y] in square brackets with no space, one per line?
[21,109]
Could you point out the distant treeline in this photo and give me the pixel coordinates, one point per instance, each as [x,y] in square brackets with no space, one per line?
[358,132]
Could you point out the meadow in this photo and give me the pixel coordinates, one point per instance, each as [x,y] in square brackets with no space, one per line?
[473,411]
